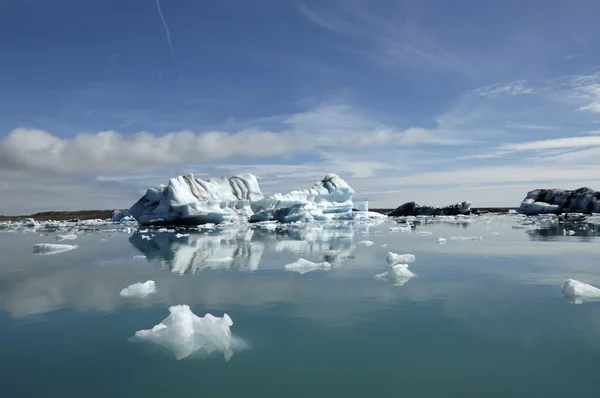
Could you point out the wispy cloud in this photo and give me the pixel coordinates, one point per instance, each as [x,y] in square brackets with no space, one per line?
[168,36]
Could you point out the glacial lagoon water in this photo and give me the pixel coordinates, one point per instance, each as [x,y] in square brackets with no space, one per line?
[480,318]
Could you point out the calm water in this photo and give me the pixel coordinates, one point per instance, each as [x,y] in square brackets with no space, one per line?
[480,318]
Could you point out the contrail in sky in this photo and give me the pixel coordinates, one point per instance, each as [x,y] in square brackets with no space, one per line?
[168,34]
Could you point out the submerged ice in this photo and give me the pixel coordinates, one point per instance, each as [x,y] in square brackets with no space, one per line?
[52,248]
[185,334]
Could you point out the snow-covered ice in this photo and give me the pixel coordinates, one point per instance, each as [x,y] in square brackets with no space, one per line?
[302,266]
[579,292]
[52,248]
[394,258]
[139,289]
[185,334]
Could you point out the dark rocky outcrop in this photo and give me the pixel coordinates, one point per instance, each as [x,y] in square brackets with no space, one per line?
[558,201]
[415,209]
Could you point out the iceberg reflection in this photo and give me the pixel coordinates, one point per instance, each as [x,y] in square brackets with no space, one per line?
[241,247]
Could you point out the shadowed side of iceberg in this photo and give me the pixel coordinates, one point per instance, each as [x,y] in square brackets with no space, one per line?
[545,201]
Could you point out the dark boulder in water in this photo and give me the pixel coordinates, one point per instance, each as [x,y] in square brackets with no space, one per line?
[558,201]
[415,209]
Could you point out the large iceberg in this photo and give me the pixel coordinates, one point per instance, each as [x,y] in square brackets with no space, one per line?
[191,201]
[543,201]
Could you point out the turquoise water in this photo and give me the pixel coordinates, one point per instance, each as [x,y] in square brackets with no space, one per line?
[481,318]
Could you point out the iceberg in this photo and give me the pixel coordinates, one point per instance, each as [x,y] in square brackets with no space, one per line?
[415,209]
[328,197]
[578,292]
[184,333]
[52,248]
[544,201]
[187,200]
[394,258]
[303,266]
[398,274]
[139,289]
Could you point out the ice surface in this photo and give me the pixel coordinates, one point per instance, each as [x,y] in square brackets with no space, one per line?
[185,334]
[398,274]
[139,289]
[52,248]
[579,292]
[66,237]
[394,258]
[303,266]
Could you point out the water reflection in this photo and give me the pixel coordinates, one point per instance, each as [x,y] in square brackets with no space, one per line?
[585,232]
[240,248]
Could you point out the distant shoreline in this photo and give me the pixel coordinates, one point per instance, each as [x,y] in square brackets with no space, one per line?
[104,214]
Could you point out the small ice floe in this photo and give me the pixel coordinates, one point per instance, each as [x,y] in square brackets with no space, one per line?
[495,233]
[185,334]
[139,290]
[52,248]
[442,241]
[139,257]
[398,274]
[365,243]
[424,233]
[179,236]
[402,228]
[66,237]
[384,245]
[462,238]
[303,266]
[578,292]
[146,237]
[568,232]
[394,258]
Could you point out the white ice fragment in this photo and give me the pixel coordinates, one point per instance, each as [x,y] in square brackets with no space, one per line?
[146,237]
[184,333]
[303,266]
[423,233]
[365,243]
[480,238]
[139,289]
[442,241]
[579,292]
[178,236]
[568,232]
[384,245]
[404,228]
[52,248]
[66,237]
[139,257]
[393,258]
[398,274]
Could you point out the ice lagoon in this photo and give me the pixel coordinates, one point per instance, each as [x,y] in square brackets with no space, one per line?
[232,311]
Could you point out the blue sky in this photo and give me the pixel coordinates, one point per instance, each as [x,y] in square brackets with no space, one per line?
[432,101]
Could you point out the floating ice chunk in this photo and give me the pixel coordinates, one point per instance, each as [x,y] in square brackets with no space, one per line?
[139,257]
[66,237]
[398,274]
[568,232]
[384,245]
[365,243]
[404,228]
[52,248]
[393,258]
[423,233]
[184,333]
[442,241]
[466,238]
[578,292]
[178,236]
[303,266]
[139,289]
